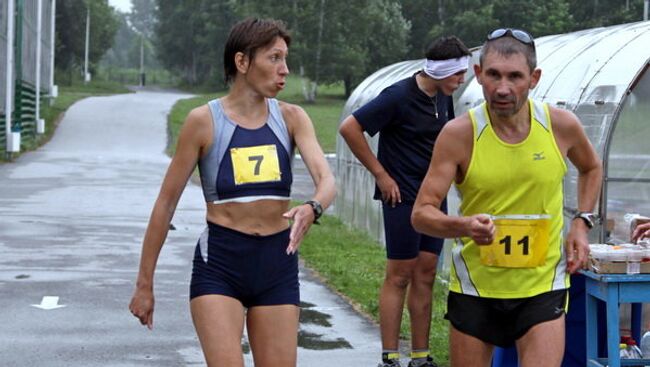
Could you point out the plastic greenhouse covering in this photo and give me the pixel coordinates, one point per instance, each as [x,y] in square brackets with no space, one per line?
[599,74]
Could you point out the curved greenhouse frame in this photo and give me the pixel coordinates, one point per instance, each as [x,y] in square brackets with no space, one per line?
[600,74]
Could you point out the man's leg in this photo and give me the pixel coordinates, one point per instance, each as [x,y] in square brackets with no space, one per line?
[466,350]
[543,344]
[391,300]
[420,299]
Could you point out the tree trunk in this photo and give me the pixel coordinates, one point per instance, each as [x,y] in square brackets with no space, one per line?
[347,83]
[318,42]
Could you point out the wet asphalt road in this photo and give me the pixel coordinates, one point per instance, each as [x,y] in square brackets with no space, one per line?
[72,216]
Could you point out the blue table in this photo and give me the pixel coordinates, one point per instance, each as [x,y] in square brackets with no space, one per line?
[614,289]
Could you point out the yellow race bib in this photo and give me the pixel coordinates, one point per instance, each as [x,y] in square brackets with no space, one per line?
[521,241]
[255,164]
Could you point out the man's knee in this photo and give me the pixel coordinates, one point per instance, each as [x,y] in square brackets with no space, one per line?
[426,267]
[399,278]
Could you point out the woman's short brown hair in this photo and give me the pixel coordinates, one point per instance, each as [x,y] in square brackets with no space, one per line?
[248,36]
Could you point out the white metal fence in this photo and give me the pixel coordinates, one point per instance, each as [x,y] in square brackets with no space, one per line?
[26,69]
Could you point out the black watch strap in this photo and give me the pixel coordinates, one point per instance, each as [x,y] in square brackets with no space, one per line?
[317,208]
[586,217]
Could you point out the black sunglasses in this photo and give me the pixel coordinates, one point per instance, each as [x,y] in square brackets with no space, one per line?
[521,36]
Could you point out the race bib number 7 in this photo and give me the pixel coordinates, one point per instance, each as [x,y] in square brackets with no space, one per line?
[521,241]
[255,164]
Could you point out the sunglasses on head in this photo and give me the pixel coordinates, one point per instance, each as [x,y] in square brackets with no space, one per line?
[521,36]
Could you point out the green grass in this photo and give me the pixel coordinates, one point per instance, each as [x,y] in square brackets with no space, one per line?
[352,263]
[324,113]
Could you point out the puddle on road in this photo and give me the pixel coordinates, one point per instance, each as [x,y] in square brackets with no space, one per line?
[308,316]
[311,340]
[316,342]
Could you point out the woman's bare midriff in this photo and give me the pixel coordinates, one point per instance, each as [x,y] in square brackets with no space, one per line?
[261,217]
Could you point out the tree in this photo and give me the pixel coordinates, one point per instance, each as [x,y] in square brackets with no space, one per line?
[421,14]
[601,13]
[190,36]
[471,20]
[143,17]
[71,39]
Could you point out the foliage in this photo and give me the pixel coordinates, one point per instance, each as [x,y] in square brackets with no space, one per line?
[471,20]
[333,40]
[344,41]
[125,51]
[423,16]
[601,13]
[190,37]
[71,32]
[143,17]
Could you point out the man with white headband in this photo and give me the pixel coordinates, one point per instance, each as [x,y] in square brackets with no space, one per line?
[408,115]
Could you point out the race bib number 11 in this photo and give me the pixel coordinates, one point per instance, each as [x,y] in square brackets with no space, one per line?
[521,241]
[255,164]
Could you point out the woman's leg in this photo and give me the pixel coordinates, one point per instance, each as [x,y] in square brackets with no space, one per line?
[273,335]
[219,323]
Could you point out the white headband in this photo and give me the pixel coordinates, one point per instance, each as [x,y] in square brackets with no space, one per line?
[440,69]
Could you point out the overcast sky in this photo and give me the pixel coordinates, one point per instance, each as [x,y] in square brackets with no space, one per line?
[121,5]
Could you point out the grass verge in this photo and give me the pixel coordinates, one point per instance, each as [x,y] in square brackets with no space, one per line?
[350,262]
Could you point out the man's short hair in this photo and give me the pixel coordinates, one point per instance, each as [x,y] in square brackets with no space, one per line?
[507,46]
[446,48]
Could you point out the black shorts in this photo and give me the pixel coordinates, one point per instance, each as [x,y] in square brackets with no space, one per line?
[255,270]
[502,321]
[402,241]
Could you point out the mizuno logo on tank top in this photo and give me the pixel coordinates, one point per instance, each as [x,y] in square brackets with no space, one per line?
[245,165]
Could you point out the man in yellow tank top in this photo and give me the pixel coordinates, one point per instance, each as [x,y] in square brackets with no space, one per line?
[510,264]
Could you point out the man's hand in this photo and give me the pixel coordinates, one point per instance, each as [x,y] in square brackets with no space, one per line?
[577,246]
[481,229]
[389,189]
[641,231]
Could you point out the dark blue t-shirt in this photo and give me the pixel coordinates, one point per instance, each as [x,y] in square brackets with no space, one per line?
[406,119]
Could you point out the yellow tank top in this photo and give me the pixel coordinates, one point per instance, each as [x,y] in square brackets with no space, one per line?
[520,185]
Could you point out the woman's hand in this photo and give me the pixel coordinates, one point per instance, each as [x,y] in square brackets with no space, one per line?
[141,305]
[302,217]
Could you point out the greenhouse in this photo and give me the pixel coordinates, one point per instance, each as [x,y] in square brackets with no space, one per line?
[600,74]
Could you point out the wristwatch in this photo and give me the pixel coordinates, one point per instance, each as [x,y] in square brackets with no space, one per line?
[588,218]
[317,208]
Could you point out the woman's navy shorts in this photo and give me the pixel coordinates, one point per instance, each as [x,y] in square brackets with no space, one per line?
[255,270]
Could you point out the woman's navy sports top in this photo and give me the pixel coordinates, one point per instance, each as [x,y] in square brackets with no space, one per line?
[245,165]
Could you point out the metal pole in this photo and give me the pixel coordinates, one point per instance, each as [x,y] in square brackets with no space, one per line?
[39,29]
[646,5]
[142,60]
[86,79]
[53,93]
[10,69]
